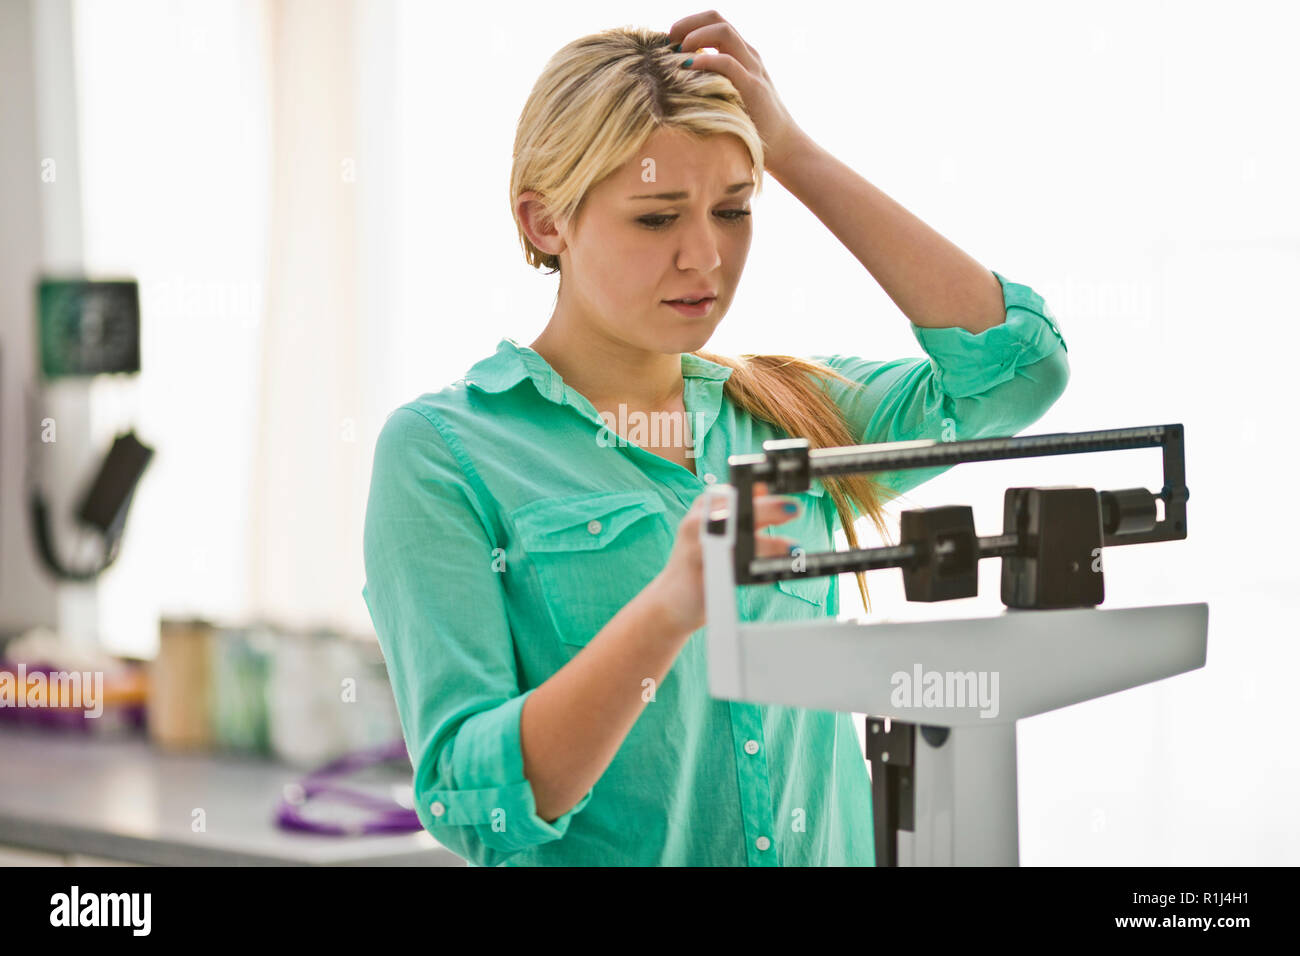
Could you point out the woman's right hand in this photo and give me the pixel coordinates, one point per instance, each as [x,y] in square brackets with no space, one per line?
[680,585]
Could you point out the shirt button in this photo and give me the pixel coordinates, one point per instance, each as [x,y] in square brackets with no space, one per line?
[762,843]
[593,526]
[710,478]
[751,746]
[437,809]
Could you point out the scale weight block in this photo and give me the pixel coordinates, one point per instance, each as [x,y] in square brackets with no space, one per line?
[947,553]
[1057,563]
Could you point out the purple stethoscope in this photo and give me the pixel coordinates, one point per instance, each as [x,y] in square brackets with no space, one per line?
[388,816]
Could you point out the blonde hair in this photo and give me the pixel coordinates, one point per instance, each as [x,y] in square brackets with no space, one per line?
[596,103]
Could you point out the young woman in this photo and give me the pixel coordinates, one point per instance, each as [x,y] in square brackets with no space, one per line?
[533,567]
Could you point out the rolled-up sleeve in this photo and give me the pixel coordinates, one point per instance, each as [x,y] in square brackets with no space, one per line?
[433,587]
[994,384]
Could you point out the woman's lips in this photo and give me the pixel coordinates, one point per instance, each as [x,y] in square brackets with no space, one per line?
[694,311]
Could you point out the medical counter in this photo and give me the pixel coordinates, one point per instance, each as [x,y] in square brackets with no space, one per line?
[84,800]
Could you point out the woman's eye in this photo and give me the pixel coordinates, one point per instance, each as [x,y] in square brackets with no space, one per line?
[659,222]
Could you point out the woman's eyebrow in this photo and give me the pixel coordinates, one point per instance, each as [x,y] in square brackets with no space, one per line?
[733,188]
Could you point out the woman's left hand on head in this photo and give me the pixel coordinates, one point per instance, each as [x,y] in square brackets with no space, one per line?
[740,63]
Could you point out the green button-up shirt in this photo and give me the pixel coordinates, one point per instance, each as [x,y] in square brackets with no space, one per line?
[506,525]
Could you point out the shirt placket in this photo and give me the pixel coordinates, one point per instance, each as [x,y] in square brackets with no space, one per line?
[755,784]
[748,742]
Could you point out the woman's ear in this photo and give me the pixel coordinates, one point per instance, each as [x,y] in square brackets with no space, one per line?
[535,219]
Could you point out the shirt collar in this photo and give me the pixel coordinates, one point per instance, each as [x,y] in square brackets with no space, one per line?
[512,363]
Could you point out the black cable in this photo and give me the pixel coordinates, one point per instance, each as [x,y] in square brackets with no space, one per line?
[43,533]
[42,530]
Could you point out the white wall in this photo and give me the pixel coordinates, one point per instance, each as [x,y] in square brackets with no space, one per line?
[23,599]
[40,233]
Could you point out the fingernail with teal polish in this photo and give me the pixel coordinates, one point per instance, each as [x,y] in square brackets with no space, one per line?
[689,62]
[677,48]
[791,507]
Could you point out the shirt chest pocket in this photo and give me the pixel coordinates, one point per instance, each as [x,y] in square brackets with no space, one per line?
[810,531]
[593,553]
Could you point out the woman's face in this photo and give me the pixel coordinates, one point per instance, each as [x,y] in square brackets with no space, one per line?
[625,254]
